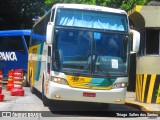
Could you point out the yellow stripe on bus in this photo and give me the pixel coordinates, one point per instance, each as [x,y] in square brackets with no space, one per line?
[84,82]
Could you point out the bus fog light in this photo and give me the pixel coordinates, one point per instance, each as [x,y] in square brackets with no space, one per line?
[123,85]
[57,96]
[59,80]
[120,85]
[117,100]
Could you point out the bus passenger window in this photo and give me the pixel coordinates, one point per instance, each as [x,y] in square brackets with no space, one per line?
[11,44]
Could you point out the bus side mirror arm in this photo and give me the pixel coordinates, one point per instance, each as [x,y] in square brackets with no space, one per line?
[50,32]
[135,40]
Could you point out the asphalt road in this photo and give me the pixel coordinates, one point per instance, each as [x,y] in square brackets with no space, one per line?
[31,106]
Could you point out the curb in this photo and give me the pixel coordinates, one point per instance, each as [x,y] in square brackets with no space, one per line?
[142,107]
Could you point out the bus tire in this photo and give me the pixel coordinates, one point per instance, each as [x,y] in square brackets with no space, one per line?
[32,89]
[25,80]
[46,101]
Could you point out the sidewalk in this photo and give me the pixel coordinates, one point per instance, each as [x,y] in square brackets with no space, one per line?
[130,99]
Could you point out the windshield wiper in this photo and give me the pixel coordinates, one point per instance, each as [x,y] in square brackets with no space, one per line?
[105,70]
[84,59]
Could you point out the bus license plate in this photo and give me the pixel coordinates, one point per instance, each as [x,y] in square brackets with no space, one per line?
[86,94]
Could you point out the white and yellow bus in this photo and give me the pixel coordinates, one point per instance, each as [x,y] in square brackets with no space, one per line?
[81,53]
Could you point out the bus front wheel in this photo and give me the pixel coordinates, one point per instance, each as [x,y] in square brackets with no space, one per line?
[25,81]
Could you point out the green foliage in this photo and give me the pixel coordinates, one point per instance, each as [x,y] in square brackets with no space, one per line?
[49,3]
[158,95]
[123,4]
[91,2]
[17,14]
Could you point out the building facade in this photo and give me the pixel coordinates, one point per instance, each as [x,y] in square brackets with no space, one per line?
[146,19]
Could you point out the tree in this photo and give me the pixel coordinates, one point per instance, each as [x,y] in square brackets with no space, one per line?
[122,4]
[49,3]
[17,14]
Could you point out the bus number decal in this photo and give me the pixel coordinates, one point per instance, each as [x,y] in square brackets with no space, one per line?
[77,79]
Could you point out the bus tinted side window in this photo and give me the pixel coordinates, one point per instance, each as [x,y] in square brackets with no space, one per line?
[11,44]
[39,30]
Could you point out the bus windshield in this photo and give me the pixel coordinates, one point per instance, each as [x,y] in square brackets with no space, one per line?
[91,19]
[91,52]
[91,42]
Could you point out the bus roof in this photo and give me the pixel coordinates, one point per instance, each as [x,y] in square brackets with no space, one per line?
[26,32]
[89,7]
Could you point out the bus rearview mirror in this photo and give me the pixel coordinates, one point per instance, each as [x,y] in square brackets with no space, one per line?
[49,34]
[135,40]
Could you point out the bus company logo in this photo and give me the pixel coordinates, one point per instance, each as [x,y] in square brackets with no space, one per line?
[8,56]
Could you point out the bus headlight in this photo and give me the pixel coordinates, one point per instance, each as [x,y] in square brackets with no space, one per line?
[59,80]
[120,85]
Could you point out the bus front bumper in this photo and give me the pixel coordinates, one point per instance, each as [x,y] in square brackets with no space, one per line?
[67,93]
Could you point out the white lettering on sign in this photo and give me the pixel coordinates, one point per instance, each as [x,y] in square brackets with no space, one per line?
[8,56]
